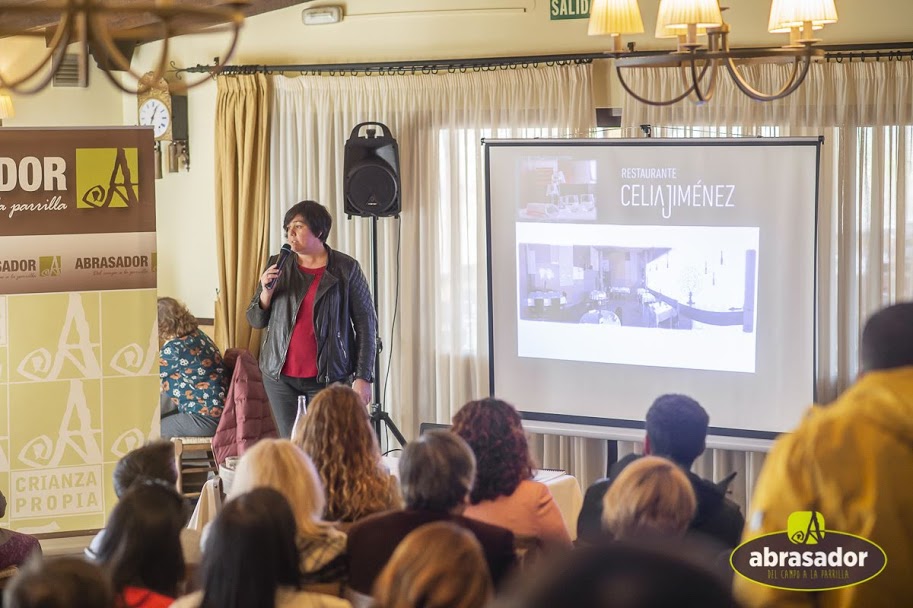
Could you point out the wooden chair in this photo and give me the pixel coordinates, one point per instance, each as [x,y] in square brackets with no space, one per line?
[198,466]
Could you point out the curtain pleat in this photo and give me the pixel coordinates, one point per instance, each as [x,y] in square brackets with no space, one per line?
[242,202]
[864,111]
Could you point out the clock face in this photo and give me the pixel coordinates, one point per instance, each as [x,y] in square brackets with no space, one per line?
[153,113]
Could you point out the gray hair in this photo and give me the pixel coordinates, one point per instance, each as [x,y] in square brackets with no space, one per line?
[436,472]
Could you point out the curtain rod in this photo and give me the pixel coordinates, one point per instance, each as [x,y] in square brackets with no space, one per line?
[833,52]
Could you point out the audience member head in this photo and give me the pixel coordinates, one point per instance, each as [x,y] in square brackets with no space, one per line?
[494,431]
[650,498]
[174,320]
[887,340]
[436,472]
[622,575]
[337,435]
[64,582]
[141,546]
[318,219]
[250,552]
[155,460]
[280,465]
[676,429]
[438,565]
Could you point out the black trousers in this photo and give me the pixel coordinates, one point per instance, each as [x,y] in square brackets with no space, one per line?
[283,398]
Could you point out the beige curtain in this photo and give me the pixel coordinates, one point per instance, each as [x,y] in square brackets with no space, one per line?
[242,202]
[432,261]
[864,111]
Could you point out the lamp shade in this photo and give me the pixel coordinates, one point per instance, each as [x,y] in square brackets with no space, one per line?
[672,32]
[679,14]
[6,106]
[786,14]
[614,17]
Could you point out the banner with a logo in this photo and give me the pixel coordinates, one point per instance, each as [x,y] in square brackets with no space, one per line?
[78,338]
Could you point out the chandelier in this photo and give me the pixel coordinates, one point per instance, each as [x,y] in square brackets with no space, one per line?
[109,31]
[703,43]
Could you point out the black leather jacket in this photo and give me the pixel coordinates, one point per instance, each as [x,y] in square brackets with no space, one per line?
[345,322]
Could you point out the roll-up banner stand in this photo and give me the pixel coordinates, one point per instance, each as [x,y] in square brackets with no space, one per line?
[78,336]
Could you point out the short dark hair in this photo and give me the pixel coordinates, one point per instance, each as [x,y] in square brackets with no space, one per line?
[436,472]
[677,428]
[318,219]
[887,340]
[155,460]
[251,551]
[142,542]
[63,582]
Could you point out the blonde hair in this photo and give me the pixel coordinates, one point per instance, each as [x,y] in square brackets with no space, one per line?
[175,320]
[438,565]
[337,435]
[650,497]
[279,464]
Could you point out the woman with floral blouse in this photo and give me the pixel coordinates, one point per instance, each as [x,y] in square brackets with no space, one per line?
[192,372]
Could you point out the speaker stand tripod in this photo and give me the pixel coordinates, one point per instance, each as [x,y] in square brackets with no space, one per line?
[379,416]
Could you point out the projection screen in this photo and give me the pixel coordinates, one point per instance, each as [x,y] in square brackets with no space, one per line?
[620,270]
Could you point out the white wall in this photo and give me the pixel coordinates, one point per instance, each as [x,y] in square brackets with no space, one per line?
[97,105]
[371,31]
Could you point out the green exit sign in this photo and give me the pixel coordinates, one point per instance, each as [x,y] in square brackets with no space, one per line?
[569,9]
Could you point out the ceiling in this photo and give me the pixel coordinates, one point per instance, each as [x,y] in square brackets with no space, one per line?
[129,24]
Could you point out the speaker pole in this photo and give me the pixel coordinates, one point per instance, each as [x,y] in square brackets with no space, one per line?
[379,416]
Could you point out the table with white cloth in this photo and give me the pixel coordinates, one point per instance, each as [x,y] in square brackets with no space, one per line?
[564,488]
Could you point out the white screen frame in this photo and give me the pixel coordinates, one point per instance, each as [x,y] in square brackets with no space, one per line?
[622,427]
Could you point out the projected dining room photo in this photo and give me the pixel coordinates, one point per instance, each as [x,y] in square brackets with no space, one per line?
[557,189]
[697,286]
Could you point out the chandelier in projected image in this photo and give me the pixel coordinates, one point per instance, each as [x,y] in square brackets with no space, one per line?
[703,43]
[109,31]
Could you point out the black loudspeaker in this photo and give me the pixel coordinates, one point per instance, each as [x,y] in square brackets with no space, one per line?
[372,186]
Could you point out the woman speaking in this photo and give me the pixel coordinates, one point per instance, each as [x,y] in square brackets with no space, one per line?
[321,326]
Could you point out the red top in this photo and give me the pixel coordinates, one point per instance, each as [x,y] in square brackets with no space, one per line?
[301,360]
[137,597]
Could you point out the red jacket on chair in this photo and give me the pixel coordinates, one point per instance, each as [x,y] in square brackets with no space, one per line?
[247,417]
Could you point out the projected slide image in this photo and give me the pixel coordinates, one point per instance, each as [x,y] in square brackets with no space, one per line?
[557,189]
[676,297]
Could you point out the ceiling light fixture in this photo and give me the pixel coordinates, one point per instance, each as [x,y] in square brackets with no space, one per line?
[700,61]
[105,29]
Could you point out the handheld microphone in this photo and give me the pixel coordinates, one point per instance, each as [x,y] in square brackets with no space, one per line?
[283,253]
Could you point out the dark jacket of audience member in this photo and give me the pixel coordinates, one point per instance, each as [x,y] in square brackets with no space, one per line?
[717,516]
[436,474]
[677,430]
[65,582]
[439,565]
